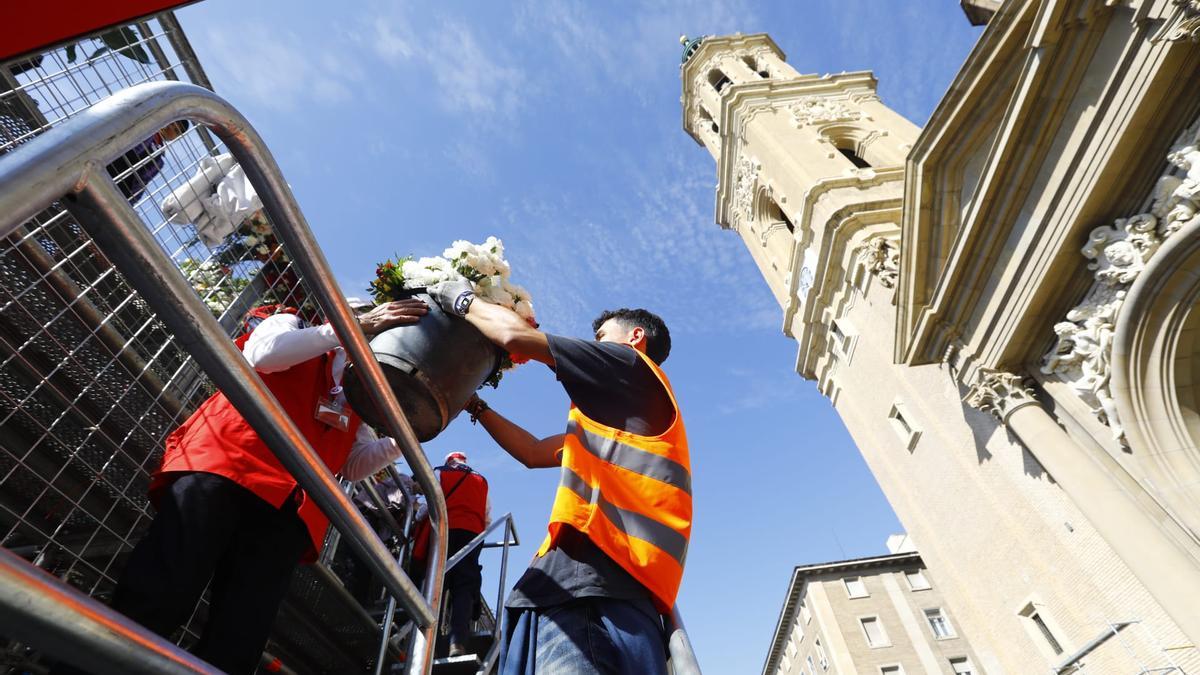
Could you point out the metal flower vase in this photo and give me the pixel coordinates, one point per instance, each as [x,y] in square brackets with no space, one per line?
[433,367]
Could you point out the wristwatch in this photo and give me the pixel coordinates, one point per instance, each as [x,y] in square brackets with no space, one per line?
[463,302]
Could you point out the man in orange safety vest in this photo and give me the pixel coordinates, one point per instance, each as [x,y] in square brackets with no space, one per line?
[613,559]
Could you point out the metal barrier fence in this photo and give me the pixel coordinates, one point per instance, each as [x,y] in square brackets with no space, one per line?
[64,163]
[91,378]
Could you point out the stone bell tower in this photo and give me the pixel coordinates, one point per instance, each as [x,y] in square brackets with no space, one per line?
[810,174]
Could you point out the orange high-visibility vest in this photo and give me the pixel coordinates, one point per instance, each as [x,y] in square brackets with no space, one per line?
[631,495]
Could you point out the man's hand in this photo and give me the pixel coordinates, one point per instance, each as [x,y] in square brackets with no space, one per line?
[392,314]
[454,297]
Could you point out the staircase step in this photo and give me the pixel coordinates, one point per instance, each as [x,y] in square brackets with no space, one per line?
[467,664]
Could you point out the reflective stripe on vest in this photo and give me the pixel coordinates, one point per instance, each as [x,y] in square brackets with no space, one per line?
[631,495]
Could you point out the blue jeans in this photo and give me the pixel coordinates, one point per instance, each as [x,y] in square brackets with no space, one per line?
[588,636]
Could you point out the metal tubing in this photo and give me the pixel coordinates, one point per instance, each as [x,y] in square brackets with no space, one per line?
[38,609]
[474,543]
[61,161]
[681,655]
[69,158]
[500,613]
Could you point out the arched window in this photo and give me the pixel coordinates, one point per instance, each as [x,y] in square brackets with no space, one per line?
[774,214]
[760,68]
[706,119]
[717,79]
[857,161]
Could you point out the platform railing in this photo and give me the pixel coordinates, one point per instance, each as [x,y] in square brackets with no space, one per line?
[68,163]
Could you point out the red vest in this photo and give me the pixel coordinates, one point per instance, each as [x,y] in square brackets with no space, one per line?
[467,504]
[217,439]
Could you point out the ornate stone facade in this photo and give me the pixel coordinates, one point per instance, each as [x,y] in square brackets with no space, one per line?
[1187,22]
[1082,355]
[881,257]
[999,393]
[819,110]
[745,179]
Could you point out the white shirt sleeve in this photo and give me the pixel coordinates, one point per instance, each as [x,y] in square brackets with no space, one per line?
[278,343]
[369,454]
[487,512]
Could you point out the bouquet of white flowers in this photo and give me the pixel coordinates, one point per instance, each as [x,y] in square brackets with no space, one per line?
[483,265]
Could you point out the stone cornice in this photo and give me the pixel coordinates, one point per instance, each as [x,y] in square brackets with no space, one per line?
[836,243]
[942,288]
[743,102]
[708,49]
[862,179]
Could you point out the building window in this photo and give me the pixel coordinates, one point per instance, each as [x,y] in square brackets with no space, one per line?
[857,161]
[903,425]
[812,668]
[718,80]
[1035,617]
[917,580]
[873,629]
[807,615]
[821,657]
[855,588]
[891,670]
[939,623]
[798,632]
[962,666]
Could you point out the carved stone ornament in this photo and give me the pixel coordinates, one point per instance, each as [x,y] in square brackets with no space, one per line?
[745,177]
[1186,23]
[818,110]
[881,257]
[999,392]
[1082,355]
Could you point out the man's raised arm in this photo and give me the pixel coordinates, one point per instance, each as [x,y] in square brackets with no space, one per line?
[526,448]
[499,324]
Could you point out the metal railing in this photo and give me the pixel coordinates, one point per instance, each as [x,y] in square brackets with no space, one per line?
[480,542]
[68,163]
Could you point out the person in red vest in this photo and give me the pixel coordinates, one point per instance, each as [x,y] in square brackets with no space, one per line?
[612,562]
[469,512]
[228,512]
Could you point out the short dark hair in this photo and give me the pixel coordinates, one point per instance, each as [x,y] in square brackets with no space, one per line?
[658,338]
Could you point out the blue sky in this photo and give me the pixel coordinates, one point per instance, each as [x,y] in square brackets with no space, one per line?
[557,127]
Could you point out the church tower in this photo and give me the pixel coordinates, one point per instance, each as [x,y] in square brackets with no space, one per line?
[810,174]
[923,275]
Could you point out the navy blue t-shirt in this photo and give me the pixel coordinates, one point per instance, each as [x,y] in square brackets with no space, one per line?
[611,384]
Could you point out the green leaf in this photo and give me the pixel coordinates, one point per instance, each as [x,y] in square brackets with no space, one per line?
[71,53]
[124,41]
[96,53]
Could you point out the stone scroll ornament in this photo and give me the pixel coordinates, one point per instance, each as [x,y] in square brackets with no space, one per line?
[881,257]
[1186,25]
[1082,355]
[818,110]
[745,177]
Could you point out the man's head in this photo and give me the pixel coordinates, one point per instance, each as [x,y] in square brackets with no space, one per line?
[456,457]
[638,328]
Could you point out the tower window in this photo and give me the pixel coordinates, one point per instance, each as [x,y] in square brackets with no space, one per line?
[718,80]
[857,161]
[761,69]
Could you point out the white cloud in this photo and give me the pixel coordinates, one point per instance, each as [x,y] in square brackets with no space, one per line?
[276,68]
[629,49]
[471,79]
[390,41]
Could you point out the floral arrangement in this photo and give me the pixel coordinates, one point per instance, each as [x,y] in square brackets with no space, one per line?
[213,281]
[483,265]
